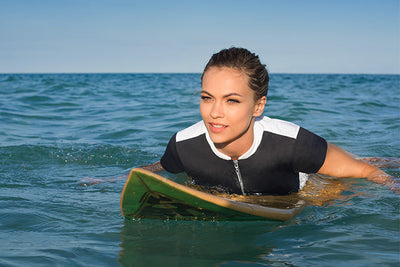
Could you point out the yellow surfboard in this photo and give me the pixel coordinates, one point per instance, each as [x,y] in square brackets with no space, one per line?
[149,195]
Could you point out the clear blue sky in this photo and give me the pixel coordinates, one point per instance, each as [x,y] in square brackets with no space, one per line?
[321,36]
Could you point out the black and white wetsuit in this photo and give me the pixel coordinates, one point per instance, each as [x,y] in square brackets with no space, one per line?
[280,154]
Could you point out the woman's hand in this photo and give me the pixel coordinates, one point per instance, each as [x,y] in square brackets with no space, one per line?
[380,177]
[155,167]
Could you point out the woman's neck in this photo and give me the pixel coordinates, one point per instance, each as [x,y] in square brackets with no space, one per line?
[236,148]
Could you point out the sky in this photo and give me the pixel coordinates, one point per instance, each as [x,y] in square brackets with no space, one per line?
[109,36]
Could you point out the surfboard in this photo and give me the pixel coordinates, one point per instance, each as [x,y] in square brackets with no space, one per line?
[149,195]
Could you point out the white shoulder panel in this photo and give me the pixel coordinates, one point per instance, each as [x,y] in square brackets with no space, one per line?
[265,124]
[191,132]
[279,127]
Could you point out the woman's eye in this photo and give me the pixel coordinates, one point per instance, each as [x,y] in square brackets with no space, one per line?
[233,101]
[205,98]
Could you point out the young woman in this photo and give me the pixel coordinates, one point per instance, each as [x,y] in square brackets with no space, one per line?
[238,150]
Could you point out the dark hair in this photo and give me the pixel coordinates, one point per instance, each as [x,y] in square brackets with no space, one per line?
[245,61]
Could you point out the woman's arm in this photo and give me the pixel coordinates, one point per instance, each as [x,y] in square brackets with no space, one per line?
[339,163]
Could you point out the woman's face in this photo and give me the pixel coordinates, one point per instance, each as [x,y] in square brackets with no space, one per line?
[228,108]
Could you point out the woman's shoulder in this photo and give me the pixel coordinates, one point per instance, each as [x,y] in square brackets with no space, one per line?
[276,126]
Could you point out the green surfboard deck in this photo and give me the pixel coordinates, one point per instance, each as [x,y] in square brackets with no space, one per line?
[149,195]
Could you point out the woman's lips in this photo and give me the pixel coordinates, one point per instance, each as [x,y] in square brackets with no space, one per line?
[217,127]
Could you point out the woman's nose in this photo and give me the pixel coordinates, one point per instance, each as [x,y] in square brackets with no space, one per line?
[217,110]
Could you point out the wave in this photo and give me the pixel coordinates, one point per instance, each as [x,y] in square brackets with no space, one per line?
[78,154]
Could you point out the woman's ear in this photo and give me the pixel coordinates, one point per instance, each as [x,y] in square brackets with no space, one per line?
[259,107]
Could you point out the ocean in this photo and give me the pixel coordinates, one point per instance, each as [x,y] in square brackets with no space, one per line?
[57,130]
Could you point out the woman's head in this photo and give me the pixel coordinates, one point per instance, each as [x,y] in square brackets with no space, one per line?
[233,94]
[243,60]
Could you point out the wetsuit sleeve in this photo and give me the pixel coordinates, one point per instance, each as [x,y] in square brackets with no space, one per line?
[170,161]
[310,152]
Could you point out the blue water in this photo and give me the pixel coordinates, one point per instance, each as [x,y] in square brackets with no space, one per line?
[59,129]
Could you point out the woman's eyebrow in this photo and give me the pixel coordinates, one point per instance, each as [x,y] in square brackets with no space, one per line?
[225,96]
[232,94]
[205,92]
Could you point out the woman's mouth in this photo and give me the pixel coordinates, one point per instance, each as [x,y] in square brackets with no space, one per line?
[216,127]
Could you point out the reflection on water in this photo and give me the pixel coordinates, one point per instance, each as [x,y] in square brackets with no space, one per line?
[206,243]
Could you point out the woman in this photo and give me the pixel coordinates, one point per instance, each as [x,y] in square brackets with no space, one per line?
[238,150]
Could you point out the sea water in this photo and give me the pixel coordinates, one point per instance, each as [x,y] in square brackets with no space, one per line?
[59,129]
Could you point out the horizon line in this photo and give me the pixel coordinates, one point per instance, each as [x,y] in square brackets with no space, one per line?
[294,73]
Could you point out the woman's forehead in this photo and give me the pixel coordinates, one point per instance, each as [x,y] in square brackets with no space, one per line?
[226,81]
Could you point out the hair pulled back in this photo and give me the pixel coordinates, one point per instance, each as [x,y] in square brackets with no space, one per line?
[245,61]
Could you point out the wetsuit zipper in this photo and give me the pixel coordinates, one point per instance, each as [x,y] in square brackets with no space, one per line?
[239,175]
